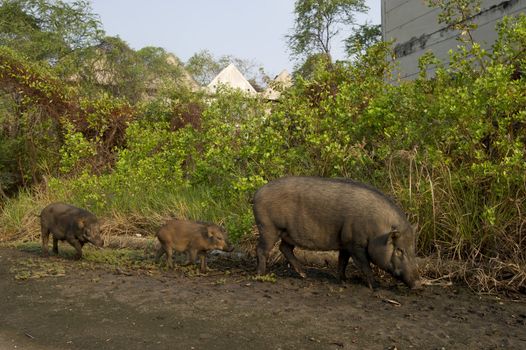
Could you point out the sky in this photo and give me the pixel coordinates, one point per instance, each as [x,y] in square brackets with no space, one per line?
[248,29]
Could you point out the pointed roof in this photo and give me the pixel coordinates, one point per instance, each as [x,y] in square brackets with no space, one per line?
[232,77]
[282,81]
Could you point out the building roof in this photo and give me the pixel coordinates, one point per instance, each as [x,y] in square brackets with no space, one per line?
[231,77]
[282,81]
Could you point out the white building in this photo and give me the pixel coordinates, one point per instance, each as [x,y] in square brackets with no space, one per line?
[231,77]
[414,26]
[281,82]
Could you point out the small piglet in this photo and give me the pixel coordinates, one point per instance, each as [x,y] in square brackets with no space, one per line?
[68,223]
[192,237]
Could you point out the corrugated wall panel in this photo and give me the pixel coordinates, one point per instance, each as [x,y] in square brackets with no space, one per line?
[415,27]
[410,19]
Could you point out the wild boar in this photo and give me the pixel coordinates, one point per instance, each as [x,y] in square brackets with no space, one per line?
[193,237]
[335,214]
[68,223]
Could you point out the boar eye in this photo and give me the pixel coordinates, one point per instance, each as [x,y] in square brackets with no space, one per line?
[399,252]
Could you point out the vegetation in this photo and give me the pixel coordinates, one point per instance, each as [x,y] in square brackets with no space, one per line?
[204,67]
[364,36]
[449,148]
[318,22]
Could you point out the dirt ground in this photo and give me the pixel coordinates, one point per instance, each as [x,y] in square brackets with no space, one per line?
[78,305]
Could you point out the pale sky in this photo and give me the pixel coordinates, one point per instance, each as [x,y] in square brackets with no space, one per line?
[249,29]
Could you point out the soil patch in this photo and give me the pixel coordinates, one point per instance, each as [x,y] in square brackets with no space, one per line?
[58,303]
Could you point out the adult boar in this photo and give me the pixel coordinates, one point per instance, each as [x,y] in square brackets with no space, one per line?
[68,223]
[193,237]
[335,214]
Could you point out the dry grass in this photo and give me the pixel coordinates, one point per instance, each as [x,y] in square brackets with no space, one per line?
[473,235]
[490,275]
[487,276]
[453,257]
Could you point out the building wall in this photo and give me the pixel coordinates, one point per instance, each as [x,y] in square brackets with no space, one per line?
[416,30]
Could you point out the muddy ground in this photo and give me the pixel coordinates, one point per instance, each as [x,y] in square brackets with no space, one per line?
[58,303]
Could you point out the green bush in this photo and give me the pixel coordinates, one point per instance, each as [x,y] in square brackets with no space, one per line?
[449,148]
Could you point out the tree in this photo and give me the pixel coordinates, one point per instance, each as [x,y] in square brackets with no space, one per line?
[364,36]
[203,67]
[61,34]
[48,30]
[38,39]
[312,63]
[459,15]
[160,67]
[318,22]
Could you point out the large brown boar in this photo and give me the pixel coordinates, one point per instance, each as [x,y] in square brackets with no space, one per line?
[68,223]
[193,237]
[335,214]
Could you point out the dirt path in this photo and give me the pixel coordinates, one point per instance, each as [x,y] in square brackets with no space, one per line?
[101,307]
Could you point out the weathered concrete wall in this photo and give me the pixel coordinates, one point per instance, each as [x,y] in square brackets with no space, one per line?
[416,30]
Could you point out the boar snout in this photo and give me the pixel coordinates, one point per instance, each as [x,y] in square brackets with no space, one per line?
[98,242]
[229,248]
[410,278]
[92,235]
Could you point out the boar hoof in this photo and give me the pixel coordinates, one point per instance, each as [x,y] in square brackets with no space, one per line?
[302,274]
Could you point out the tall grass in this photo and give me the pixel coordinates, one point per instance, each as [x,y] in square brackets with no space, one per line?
[19,215]
[138,213]
[465,232]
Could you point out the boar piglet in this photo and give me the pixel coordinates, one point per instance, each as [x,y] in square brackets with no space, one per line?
[68,223]
[335,214]
[193,237]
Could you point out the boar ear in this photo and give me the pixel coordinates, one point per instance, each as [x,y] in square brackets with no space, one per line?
[205,232]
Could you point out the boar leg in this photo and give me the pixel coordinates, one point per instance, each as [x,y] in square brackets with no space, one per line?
[78,247]
[55,245]
[191,255]
[169,257]
[267,238]
[159,254]
[361,260]
[45,239]
[202,257]
[288,251]
[343,261]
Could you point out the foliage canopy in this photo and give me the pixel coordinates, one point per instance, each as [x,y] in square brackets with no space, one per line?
[318,22]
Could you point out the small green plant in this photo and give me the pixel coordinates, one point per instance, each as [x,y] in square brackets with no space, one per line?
[37,268]
[270,278]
